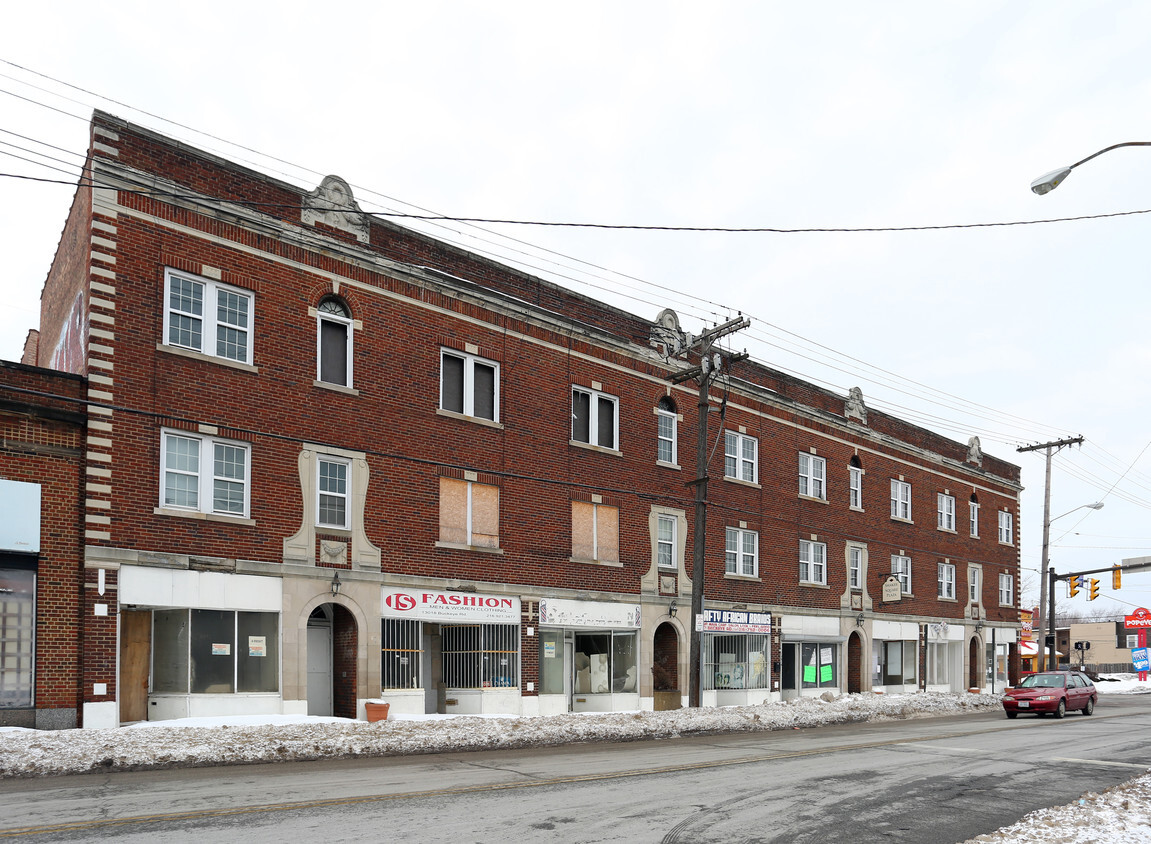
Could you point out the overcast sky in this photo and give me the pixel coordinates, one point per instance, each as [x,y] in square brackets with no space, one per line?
[776,115]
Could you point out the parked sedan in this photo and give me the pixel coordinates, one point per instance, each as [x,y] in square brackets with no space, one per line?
[1051,692]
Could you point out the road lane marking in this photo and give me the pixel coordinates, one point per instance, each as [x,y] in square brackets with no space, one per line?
[1103,762]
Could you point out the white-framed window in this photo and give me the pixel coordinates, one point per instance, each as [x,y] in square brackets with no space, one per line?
[334,342]
[469,385]
[901,568]
[855,567]
[740,456]
[1006,590]
[595,418]
[208,317]
[812,475]
[665,541]
[204,474]
[1132,640]
[946,509]
[855,486]
[973,584]
[974,517]
[332,476]
[1006,525]
[667,424]
[742,554]
[18,635]
[947,580]
[900,500]
[812,562]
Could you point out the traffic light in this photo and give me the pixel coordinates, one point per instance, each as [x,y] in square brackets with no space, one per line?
[1093,593]
[1116,576]
[1072,586]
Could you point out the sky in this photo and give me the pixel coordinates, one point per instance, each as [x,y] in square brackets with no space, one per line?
[739,115]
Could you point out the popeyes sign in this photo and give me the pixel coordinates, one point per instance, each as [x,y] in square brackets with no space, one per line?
[1139,618]
[429,605]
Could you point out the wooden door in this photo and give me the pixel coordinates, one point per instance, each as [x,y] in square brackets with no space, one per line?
[135,661]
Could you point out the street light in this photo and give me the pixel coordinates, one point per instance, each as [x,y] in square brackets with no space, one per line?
[1051,663]
[1050,181]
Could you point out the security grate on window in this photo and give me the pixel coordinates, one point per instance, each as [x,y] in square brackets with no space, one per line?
[736,661]
[480,656]
[401,653]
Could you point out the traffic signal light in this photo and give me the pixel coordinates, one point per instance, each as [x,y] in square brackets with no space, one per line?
[1116,576]
[1093,593]
[1072,586]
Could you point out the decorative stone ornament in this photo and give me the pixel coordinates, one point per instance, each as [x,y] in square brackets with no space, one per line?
[854,408]
[974,452]
[333,205]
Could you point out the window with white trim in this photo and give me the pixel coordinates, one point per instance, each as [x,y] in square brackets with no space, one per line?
[812,475]
[204,474]
[334,342]
[855,484]
[946,511]
[742,552]
[973,585]
[855,567]
[1006,590]
[900,500]
[812,562]
[946,578]
[665,541]
[667,423]
[974,517]
[332,476]
[595,418]
[205,316]
[740,459]
[469,385]
[1132,640]
[901,568]
[1006,531]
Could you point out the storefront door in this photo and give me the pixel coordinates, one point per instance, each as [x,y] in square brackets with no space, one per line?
[319,669]
[135,661]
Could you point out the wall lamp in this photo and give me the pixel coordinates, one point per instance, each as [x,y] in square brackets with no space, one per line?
[336,584]
[978,625]
[859,620]
[672,608]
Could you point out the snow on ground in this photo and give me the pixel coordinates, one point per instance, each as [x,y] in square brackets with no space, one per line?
[1123,812]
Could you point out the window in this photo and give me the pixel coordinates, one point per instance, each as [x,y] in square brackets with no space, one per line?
[665,542]
[595,418]
[334,343]
[855,484]
[469,514]
[736,661]
[900,500]
[947,581]
[400,654]
[946,505]
[812,562]
[1006,590]
[204,474]
[595,532]
[855,568]
[469,385]
[332,492]
[1132,640]
[207,317]
[974,517]
[605,662]
[973,577]
[742,556]
[812,472]
[818,665]
[901,568]
[739,456]
[1005,527]
[215,651]
[17,637]
[481,656]
[896,662]
[666,423]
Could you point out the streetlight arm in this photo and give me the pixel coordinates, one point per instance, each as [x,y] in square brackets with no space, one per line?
[1098,505]
[1050,181]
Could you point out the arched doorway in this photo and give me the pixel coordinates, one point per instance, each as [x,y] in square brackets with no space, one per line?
[975,671]
[665,668]
[333,641]
[854,663]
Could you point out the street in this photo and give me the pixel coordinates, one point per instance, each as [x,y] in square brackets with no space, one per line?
[929,780]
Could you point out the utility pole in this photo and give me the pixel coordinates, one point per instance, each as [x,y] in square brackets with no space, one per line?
[710,364]
[1045,610]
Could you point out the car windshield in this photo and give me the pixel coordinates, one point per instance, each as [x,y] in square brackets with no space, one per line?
[1042,681]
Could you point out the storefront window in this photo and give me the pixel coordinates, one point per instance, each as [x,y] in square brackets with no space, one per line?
[258,660]
[481,656]
[17,632]
[736,661]
[170,651]
[605,662]
[551,662]
[400,654]
[623,662]
[818,665]
[938,666]
[896,663]
[215,651]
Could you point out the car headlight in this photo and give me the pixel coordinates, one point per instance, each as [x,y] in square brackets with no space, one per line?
[1046,697]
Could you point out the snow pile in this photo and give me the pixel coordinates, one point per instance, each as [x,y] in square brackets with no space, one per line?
[238,741]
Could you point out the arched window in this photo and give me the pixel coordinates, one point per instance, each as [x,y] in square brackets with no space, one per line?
[334,342]
[666,425]
[974,515]
[855,483]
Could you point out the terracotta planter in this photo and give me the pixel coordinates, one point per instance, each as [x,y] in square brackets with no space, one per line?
[376,711]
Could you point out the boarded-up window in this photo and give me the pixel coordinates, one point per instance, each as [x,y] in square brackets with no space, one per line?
[595,532]
[469,513]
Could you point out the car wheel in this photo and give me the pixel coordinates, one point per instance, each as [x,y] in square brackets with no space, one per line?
[1061,709]
[1090,707]
[1012,714]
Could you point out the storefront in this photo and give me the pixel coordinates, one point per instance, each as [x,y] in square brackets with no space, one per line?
[589,656]
[945,657]
[998,664]
[895,656]
[736,657]
[811,651]
[450,652]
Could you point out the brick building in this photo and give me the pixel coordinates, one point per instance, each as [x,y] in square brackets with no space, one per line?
[331,459]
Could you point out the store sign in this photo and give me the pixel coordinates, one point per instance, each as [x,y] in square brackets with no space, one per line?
[428,605]
[1025,619]
[1139,618]
[892,590]
[733,621]
[20,527]
[562,613]
[1139,661]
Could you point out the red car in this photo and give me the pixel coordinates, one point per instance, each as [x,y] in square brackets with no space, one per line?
[1051,692]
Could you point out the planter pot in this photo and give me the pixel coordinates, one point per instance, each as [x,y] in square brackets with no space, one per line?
[668,700]
[376,711]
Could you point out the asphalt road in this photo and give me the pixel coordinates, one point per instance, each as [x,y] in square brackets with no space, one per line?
[928,780]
